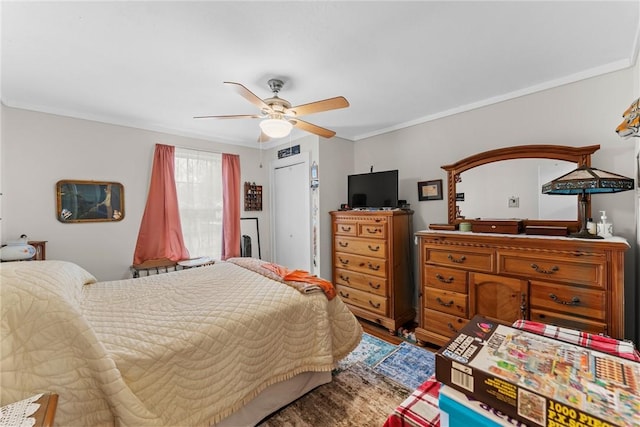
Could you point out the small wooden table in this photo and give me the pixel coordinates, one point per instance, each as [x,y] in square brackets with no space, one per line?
[47,412]
[165,265]
[157,265]
[44,415]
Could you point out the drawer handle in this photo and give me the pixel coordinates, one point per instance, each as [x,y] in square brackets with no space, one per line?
[343,228]
[373,267]
[376,249]
[343,244]
[457,260]
[343,295]
[374,305]
[374,286]
[373,230]
[344,278]
[538,269]
[343,261]
[441,278]
[446,304]
[574,300]
[452,328]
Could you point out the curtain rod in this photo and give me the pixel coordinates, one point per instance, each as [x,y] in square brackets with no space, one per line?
[197,149]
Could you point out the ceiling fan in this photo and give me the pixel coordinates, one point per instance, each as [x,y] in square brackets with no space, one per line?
[279,117]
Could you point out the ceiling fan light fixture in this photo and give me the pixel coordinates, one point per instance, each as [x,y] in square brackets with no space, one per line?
[276,128]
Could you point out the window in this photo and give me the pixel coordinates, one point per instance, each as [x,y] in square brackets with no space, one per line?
[198,177]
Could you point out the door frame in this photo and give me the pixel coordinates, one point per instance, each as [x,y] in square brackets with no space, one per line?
[303,158]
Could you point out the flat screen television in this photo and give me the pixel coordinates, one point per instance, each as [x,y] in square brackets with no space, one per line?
[373,190]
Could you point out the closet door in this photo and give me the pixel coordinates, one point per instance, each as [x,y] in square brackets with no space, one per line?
[291,217]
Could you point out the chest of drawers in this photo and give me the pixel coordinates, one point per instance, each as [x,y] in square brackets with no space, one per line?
[372,265]
[575,283]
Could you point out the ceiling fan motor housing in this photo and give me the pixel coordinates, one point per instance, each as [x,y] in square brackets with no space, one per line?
[275,85]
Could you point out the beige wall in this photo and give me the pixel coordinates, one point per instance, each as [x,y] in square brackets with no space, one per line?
[40,149]
[578,114]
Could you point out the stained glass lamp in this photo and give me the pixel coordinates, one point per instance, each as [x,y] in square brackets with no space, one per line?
[587,180]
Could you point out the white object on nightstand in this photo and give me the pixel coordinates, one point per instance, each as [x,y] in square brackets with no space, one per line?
[17,250]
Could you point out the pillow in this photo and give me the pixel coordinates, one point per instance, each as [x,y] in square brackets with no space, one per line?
[62,278]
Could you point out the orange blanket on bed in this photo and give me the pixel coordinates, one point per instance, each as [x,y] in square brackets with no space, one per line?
[302,276]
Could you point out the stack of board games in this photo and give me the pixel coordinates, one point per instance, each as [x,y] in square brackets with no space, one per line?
[540,381]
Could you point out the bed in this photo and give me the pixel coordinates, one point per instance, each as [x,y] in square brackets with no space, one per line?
[223,344]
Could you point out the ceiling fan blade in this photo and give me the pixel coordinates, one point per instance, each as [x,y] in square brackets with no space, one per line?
[309,127]
[249,96]
[235,116]
[318,106]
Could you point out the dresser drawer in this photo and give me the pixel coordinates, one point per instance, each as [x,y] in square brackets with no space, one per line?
[365,300]
[445,278]
[477,259]
[562,320]
[367,247]
[579,270]
[364,282]
[345,228]
[376,230]
[362,264]
[571,300]
[445,301]
[442,323]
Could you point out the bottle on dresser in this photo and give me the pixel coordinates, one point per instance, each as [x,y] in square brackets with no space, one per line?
[604,228]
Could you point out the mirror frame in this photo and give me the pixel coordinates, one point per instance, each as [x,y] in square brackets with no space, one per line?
[579,155]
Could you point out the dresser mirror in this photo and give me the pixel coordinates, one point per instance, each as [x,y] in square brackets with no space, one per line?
[506,183]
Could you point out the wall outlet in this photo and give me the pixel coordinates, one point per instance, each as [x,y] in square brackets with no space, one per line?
[514,202]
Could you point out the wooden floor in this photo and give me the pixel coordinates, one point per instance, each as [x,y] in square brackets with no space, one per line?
[379,332]
[383,333]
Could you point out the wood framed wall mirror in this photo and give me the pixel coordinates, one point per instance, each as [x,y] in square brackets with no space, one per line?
[506,183]
[89,201]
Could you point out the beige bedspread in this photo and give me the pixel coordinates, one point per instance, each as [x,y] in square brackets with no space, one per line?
[182,348]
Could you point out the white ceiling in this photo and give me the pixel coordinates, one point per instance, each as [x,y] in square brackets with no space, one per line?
[155,65]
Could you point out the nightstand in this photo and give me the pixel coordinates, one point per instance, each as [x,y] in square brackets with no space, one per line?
[41,252]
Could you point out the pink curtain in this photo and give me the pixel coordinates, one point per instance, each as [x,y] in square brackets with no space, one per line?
[160,235]
[230,206]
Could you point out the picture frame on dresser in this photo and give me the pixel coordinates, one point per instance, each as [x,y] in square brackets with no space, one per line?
[430,190]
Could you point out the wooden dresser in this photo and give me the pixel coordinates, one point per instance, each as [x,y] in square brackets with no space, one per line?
[575,283]
[372,265]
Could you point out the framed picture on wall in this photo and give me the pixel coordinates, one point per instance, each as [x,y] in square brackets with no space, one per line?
[430,190]
[89,201]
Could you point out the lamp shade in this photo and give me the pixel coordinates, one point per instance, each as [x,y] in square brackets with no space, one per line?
[588,180]
[276,128]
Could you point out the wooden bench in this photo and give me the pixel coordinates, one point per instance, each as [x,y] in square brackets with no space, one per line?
[157,266]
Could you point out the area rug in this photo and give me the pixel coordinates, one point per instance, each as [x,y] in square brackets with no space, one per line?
[408,365]
[367,386]
[357,396]
[370,351]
